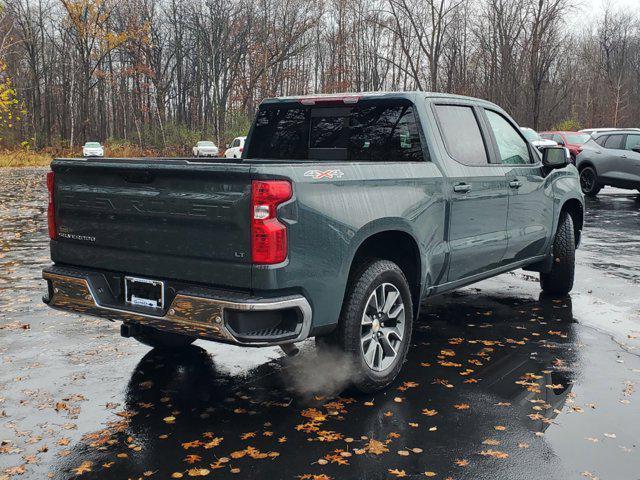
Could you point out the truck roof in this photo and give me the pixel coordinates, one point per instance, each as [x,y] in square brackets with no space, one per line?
[355,96]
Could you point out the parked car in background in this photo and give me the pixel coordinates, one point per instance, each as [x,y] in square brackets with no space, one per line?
[93,149]
[536,140]
[344,214]
[595,131]
[235,148]
[571,140]
[205,149]
[610,158]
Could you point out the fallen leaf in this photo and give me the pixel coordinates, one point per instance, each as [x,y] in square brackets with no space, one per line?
[83,468]
[494,454]
[397,473]
[376,447]
[198,472]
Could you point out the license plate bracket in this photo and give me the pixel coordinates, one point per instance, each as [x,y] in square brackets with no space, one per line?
[144,292]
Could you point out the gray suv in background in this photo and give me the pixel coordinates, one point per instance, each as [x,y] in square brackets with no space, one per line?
[610,158]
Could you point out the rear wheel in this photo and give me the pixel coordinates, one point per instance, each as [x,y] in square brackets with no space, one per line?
[589,182]
[374,330]
[164,340]
[559,281]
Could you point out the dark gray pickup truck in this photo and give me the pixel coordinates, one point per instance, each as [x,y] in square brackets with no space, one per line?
[344,214]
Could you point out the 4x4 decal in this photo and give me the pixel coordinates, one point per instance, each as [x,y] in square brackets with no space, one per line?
[320,174]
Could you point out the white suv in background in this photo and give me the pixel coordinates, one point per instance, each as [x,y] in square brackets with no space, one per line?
[234,149]
[92,149]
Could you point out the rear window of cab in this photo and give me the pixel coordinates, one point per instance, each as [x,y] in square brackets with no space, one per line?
[369,131]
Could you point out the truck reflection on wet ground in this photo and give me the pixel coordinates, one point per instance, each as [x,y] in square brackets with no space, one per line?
[485,376]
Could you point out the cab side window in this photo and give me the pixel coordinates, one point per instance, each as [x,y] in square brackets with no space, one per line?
[461,134]
[512,147]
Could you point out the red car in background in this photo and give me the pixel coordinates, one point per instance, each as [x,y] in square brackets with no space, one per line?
[571,140]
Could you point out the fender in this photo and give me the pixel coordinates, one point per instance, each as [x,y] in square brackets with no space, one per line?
[393,224]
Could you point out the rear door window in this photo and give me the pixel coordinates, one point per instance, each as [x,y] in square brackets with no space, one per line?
[371,131]
[512,147]
[614,142]
[461,134]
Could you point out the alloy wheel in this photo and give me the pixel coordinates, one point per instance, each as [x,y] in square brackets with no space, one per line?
[383,327]
[587,180]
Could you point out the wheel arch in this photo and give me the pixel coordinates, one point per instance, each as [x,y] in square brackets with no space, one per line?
[397,246]
[575,208]
[586,163]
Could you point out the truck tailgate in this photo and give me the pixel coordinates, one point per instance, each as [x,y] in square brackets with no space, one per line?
[158,218]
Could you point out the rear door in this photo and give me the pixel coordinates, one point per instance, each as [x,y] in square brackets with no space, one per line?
[530,200]
[478,192]
[629,162]
[159,219]
[609,161]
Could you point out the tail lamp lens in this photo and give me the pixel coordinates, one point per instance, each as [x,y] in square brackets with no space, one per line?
[268,234]
[51,213]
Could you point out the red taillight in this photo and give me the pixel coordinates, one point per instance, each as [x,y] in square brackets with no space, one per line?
[51,213]
[241,149]
[268,235]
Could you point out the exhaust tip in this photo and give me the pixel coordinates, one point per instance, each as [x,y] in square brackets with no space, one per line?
[290,349]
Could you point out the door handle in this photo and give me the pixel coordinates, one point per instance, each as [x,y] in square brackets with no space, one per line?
[515,183]
[462,188]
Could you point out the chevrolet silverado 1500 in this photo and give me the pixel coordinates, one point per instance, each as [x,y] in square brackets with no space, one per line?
[343,216]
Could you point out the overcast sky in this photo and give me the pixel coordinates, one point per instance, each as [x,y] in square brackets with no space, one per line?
[595,6]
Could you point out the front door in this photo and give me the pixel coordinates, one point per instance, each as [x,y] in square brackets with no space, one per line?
[530,199]
[477,191]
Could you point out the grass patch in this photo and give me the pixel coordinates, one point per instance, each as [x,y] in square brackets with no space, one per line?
[24,158]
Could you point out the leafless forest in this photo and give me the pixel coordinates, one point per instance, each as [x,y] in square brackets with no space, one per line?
[165,72]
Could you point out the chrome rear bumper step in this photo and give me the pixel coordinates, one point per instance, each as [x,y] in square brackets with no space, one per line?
[193,314]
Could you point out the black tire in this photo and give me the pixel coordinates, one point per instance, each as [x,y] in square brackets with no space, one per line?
[163,340]
[374,276]
[589,182]
[559,281]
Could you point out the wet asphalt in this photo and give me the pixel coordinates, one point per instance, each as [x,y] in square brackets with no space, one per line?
[501,382]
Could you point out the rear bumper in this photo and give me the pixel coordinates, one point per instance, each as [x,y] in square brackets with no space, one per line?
[210,314]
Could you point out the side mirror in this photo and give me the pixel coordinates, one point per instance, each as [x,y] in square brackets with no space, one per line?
[228,145]
[636,148]
[560,142]
[554,157]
